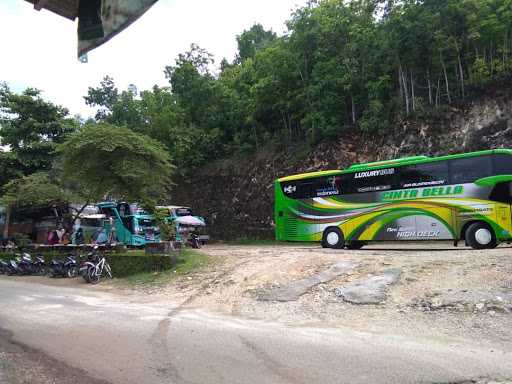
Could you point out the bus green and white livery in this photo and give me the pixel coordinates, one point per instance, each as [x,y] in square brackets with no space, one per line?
[457,197]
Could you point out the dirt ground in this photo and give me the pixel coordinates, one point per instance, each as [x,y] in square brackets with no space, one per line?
[453,295]
[443,292]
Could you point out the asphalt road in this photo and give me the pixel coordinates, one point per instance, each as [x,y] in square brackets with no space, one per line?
[121,339]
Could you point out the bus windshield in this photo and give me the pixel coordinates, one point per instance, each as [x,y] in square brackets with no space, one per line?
[180,212]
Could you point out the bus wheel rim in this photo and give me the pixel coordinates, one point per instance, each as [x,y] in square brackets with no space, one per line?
[333,238]
[483,236]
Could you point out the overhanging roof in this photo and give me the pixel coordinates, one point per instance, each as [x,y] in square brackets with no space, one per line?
[98,21]
[64,8]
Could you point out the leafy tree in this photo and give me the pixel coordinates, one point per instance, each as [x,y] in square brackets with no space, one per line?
[34,191]
[252,41]
[30,128]
[341,67]
[104,160]
[104,97]
[37,190]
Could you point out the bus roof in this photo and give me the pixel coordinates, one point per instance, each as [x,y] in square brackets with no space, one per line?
[394,162]
[309,175]
[421,159]
[172,207]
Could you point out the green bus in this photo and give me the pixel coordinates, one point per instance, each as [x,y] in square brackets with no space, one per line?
[458,197]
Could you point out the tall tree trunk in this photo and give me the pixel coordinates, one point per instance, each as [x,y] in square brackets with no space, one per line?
[353,109]
[400,86]
[406,91]
[438,90]
[461,77]
[429,87]
[445,78]
[492,61]
[413,99]
[505,47]
[7,221]
[255,136]
[76,216]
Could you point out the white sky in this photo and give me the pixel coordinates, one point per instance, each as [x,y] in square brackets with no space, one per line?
[38,49]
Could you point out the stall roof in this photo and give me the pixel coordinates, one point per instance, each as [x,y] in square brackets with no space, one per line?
[64,8]
[98,21]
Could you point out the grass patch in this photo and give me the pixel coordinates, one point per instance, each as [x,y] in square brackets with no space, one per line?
[188,261]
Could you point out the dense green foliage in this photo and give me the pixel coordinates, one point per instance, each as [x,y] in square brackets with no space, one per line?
[35,191]
[31,128]
[106,160]
[51,160]
[343,67]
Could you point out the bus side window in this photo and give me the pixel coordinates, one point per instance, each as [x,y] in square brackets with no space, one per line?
[467,170]
[502,164]
[421,175]
[502,192]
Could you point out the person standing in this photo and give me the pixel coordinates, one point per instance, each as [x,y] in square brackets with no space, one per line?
[79,236]
[60,234]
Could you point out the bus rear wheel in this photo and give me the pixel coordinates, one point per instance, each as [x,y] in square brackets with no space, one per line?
[333,238]
[480,236]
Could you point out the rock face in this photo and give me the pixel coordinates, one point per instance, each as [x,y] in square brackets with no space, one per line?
[296,289]
[236,195]
[371,290]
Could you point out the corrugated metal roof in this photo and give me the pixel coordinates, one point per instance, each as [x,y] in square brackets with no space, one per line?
[64,8]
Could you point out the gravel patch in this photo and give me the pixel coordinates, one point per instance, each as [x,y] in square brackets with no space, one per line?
[465,301]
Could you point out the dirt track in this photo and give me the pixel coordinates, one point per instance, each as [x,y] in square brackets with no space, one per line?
[443,292]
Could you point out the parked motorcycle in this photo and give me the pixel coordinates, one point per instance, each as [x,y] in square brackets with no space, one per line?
[64,268]
[94,267]
[193,241]
[89,263]
[26,265]
[4,265]
[39,266]
[12,267]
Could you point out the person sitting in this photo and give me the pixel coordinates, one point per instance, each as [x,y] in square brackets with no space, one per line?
[65,240]
[52,238]
[99,237]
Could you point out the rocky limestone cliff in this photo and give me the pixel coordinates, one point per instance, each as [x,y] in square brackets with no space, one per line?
[236,195]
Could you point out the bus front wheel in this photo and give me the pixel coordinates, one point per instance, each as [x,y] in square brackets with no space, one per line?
[333,238]
[480,236]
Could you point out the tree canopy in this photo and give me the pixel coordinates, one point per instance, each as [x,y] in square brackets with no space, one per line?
[30,127]
[103,160]
[34,191]
[342,67]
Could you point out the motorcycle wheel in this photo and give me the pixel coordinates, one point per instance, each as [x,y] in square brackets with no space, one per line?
[109,271]
[195,244]
[72,272]
[93,278]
